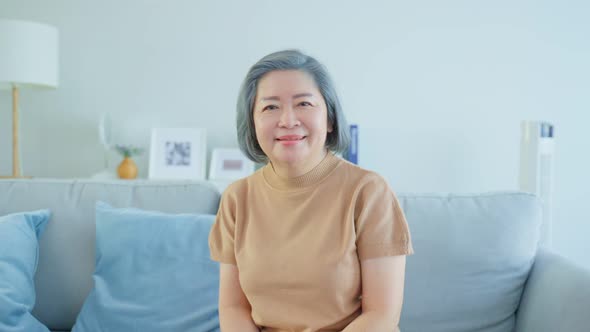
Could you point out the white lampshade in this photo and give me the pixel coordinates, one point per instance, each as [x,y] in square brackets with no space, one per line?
[28,54]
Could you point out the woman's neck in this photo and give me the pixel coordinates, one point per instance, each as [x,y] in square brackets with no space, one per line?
[291,171]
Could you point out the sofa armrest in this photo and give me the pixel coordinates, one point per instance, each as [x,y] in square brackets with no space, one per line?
[556,296]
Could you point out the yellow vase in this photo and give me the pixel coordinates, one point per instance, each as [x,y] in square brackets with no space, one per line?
[127,169]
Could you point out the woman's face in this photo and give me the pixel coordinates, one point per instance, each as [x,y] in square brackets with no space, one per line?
[291,119]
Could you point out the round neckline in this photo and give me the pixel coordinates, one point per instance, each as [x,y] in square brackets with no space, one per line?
[314,176]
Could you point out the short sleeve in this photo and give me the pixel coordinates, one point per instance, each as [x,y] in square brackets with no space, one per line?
[221,237]
[381,226]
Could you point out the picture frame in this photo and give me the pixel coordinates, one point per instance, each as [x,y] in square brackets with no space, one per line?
[229,164]
[178,154]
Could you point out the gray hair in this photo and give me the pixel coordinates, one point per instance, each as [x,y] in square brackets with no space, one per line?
[336,141]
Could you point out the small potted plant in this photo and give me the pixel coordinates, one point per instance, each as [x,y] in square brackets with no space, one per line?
[127,168]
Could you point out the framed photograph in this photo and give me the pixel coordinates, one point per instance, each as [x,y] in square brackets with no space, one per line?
[178,153]
[229,164]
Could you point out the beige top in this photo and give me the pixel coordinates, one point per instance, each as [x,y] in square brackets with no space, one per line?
[298,242]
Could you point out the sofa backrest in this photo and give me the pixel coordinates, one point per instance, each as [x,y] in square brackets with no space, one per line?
[473,254]
[67,247]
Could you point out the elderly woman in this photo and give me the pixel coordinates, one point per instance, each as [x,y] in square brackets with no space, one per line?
[309,242]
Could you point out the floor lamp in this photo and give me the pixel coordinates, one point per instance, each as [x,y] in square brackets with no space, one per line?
[28,59]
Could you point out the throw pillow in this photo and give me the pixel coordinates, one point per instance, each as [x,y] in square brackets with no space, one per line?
[19,253]
[153,273]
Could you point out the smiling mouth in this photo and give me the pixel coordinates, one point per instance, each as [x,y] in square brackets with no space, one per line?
[290,138]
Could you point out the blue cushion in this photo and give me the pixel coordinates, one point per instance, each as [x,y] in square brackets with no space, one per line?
[153,273]
[473,254]
[19,252]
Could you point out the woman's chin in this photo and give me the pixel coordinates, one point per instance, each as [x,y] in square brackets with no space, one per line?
[288,157]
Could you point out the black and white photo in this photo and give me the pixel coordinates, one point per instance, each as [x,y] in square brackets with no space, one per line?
[178,153]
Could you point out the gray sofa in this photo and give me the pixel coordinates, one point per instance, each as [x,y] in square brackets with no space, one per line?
[477,266]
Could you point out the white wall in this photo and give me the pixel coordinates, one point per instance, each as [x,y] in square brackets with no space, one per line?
[438,88]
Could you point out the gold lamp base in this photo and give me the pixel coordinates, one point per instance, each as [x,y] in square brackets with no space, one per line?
[15,151]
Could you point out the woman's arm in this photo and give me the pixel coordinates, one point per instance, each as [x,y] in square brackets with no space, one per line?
[383,293]
[234,308]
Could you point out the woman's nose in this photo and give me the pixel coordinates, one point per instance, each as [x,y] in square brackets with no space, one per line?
[288,118]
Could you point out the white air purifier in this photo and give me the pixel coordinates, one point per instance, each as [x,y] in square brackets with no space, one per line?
[537,150]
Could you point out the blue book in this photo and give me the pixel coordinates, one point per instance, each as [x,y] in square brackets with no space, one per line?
[353,151]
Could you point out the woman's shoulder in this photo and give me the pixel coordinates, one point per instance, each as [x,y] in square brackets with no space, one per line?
[241,186]
[367,185]
[360,176]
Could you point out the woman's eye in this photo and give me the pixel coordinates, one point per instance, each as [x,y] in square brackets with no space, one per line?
[305,103]
[270,107]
